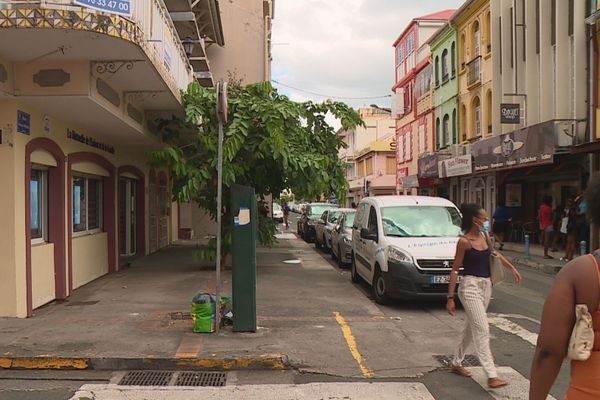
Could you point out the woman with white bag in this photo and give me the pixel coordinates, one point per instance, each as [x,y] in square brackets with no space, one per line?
[571,323]
[474,253]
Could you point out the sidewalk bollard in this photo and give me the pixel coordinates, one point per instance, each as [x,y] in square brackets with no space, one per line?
[582,248]
[527,254]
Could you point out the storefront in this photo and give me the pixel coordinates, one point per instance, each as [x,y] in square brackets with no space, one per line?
[451,170]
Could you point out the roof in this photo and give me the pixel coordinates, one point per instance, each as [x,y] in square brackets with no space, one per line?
[391,201]
[438,16]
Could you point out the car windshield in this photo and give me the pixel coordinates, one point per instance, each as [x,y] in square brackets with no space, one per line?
[350,219]
[334,217]
[317,210]
[421,221]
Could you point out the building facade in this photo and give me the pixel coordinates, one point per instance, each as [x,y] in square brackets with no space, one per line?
[79,106]
[413,103]
[370,155]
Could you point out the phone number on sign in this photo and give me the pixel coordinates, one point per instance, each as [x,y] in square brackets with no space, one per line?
[117,6]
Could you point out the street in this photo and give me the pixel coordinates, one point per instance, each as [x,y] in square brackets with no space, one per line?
[391,346]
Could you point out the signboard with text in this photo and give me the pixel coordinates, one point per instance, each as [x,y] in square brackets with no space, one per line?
[23,122]
[122,7]
[510,113]
[456,166]
[428,166]
[533,145]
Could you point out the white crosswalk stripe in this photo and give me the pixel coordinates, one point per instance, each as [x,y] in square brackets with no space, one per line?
[509,326]
[517,390]
[312,391]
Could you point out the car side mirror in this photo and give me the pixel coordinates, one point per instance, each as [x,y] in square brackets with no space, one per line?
[367,235]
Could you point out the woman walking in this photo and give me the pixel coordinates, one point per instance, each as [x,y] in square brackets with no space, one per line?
[473,255]
[578,282]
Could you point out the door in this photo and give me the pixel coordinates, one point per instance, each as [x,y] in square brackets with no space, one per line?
[153,199]
[371,245]
[127,216]
[163,211]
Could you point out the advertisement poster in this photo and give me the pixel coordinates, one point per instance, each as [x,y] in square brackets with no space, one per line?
[513,195]
[122,7]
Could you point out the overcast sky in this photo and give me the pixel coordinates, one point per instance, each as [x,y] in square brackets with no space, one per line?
[342,47]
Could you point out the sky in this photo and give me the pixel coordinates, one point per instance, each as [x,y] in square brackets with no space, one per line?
[341,47]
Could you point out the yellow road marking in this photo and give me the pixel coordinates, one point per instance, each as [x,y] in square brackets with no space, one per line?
[347,332]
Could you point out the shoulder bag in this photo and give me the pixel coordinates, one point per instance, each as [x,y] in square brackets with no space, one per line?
[582,337]
[496,267]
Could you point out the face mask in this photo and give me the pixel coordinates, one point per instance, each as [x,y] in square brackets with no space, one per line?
[485,227]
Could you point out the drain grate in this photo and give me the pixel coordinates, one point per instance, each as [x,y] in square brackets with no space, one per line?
[180,316]
[146,378]
[82,303]
[469,361]
[201,379]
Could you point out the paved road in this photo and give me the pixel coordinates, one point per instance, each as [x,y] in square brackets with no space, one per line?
[514,315]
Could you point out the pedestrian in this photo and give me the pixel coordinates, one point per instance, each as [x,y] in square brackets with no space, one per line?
[286,214]
[572,231]
[473,255]
[577,283]
[501,218]
[560,227]
[353,205]
[546,224]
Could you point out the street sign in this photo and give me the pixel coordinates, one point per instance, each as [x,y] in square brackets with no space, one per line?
[122,7]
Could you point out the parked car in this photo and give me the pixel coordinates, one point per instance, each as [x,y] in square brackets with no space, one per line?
[329,220]
[341,237]
[308,221]
[403,246]
[277,212]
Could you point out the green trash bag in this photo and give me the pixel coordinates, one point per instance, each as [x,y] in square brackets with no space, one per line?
[203,313]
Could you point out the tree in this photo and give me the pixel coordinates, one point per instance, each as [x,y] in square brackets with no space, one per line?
[270,143]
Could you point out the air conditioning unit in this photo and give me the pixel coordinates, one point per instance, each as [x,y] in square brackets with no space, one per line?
[398,103]
[455,150]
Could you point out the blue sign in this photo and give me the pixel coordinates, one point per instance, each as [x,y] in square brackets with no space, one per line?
[122,7]
[23,122]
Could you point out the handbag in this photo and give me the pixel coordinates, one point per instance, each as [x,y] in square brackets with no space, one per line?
[496,267]
[582,337]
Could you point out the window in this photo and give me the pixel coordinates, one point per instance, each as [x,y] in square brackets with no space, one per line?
[373,222]
[463,49]
[453,59]
[400,147]
[445,71]
[438,133]
[408,143]
[477,114]
[446,139]
[423,82]
[87,204]
[553,22]
[407,99]
[437,71]
[477,38]
[488,35]
[420,221]
[463,122]
[488,111]
[422,139]
[454,138]
[369,166]
[38,207]
[361,168]
[390,165]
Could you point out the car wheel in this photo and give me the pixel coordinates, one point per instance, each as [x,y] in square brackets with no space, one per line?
[380,289]
[353,273]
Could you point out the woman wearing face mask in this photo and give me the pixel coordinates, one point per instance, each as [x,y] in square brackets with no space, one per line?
[473,255]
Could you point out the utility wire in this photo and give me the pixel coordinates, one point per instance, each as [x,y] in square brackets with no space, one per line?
[329,96]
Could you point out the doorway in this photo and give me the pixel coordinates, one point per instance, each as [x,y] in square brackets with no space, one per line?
[127,216]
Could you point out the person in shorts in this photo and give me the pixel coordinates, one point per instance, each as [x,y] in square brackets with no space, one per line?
[501,218]
[546,224]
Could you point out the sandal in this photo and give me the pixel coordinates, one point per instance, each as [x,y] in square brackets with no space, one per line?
[495,383]
[462,371]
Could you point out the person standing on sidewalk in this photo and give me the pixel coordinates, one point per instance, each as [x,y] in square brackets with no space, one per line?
[286,214]
[501,219]
[546,224]
[578,282]
[475,291]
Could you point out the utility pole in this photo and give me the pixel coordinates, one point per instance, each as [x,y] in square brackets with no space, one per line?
[222,110]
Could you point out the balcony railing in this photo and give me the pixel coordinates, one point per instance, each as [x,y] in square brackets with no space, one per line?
[160,39]
[474,71]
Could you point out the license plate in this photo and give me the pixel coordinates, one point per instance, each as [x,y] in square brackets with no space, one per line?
[436,279]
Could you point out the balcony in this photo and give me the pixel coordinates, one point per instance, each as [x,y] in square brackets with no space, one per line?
[474,71]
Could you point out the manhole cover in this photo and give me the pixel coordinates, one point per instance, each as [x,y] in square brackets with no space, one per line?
[82,303]
[146,378]
[294,261]
[178,316]
[469,361]
[201,379]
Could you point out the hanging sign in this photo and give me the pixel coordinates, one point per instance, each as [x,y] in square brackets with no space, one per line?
[122,7]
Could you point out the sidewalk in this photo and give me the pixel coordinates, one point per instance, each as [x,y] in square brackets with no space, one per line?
[139,319]
[515,252]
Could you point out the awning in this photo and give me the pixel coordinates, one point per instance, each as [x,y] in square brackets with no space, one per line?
[383,182]
[591,147]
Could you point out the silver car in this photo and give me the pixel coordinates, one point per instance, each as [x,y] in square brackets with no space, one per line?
[341,237]
[325,225]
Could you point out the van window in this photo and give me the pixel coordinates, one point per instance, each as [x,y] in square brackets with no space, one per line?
[421,221]
[360,216]
[373,222]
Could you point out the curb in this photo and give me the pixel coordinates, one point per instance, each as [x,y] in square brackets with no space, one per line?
[262,362]
[548,269]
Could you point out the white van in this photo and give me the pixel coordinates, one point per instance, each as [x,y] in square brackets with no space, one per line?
[404,246]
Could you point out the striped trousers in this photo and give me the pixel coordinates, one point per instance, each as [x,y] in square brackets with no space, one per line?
[475,294]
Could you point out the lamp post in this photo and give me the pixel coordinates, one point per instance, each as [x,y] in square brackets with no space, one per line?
[188,46]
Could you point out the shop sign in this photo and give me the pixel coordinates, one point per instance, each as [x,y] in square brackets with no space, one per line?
[428,166]
[456,166]
[23,122]
[90,141]
[122,7]
[510,113]
[533,145]
[411,181]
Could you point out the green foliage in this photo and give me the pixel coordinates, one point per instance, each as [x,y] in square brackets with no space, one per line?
[270,143]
